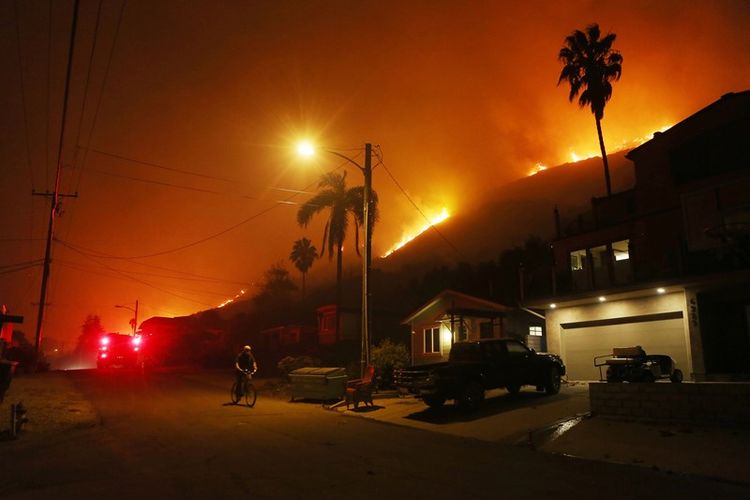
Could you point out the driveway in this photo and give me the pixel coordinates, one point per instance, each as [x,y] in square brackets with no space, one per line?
[503,418]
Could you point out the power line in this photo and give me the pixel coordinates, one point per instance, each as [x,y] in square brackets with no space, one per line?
[88,80]
[212,236]
[163,167]
[379,155]
[125,276]
[23,94]
[101,92]
[143,282]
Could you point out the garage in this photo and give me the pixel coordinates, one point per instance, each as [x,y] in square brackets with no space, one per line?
[657,334]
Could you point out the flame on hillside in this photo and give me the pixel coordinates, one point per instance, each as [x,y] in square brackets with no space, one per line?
[628,144]
[229,301]
[411,235]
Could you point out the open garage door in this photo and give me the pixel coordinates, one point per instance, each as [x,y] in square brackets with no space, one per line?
[582,341]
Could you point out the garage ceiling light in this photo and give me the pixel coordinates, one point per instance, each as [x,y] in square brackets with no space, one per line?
[660,290]
[602,299]
[552,306]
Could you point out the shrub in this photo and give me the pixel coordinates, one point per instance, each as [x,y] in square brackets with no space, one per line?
[386,357]
[290,363]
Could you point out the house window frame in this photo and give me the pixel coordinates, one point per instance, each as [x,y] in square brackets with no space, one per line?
[432,334]
[535,331]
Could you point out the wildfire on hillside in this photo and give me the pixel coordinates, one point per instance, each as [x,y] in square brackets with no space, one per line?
[229,301]
[628,144]
[434,221]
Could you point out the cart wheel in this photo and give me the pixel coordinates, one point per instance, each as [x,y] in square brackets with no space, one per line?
[676,376]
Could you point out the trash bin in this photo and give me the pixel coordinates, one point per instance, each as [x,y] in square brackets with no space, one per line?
[7,368]
[324,384]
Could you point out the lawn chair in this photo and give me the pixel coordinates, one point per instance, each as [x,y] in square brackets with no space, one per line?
[360,390]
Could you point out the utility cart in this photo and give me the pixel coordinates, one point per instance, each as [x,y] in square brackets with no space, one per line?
[632,364]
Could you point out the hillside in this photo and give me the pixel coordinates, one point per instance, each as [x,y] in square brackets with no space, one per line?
[507,215]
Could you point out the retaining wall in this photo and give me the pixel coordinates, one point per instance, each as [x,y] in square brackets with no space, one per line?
[710,402]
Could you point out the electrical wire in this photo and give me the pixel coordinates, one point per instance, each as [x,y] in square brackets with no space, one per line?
[101,92]
[23,94]
[211,236]
[143,282]
[379,155]
[157,165]
[88,80]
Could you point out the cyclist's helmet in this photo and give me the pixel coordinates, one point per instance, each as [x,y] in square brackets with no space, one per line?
[247,348]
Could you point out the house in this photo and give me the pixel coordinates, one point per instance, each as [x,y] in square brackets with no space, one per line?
[288,335]
[666,264]
[452,316]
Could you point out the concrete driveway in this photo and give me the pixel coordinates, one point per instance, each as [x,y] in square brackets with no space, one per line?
[503,418]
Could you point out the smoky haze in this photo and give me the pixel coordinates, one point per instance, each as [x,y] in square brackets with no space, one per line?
[460,97]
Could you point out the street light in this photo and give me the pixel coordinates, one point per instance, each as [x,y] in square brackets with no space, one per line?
[134,324]
[307,149]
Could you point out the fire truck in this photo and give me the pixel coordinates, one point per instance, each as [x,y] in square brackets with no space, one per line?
[118,350]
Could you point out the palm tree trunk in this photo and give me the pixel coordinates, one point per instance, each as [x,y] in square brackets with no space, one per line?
[303,286]
[604,155]
[339,279]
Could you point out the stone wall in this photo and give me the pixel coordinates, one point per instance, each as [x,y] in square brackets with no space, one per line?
[720,402]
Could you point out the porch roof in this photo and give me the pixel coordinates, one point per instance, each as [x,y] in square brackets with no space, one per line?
[452,302]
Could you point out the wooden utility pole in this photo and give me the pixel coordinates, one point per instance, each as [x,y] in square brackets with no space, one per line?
[55,208]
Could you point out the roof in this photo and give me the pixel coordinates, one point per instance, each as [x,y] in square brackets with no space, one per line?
[729,102]
[449,301]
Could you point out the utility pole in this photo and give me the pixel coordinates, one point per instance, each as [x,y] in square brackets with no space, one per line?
[367,171]
[56,194]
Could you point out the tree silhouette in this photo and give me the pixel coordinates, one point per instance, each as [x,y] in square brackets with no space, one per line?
[303,255]
[88,340]
[590,64]
[341,203]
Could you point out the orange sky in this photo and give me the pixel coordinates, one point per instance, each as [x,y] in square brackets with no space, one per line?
[460,97]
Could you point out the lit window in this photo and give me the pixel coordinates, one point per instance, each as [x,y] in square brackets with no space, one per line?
[535,331]
[577,260]
[432,339]
[620,250]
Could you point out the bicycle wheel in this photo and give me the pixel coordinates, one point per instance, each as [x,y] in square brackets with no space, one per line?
[250,394]
[234,397]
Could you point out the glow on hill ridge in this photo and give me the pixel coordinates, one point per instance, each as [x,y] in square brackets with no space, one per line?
[434,221]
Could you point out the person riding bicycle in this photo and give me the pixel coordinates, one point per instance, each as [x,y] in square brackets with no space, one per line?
[245,363]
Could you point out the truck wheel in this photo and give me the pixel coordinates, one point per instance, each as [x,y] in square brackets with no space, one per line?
[472,397]
[513,389]
[552,385]
[676,377]
[433,401]
[647,377]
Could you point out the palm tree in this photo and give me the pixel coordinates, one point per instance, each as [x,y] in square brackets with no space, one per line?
[590,64]
[303,255]
[341,203]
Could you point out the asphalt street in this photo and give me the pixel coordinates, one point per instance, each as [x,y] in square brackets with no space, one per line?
[173,434]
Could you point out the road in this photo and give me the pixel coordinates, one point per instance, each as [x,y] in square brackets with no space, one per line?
[168,435]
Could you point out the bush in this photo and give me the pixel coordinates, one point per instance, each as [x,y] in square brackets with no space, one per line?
[290,363]
[386,357]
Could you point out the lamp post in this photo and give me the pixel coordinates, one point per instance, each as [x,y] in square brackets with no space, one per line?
[306,149]
[135,318]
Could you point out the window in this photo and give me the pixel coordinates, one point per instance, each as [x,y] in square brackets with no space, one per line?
[620,250]
[486,330]
[535,331]
[578,260]
[463,332]
[432,339]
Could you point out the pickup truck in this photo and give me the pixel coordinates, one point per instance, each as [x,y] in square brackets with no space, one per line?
[474,367]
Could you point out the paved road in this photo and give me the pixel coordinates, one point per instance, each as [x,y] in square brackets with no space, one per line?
[166,435]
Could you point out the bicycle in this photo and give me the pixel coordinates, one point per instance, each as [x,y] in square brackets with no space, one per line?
[247,391]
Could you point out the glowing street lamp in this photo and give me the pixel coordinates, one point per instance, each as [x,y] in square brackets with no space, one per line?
[306,149]
[134,322]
